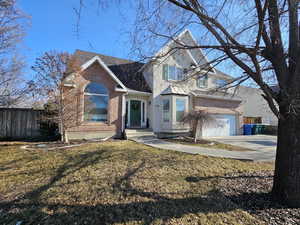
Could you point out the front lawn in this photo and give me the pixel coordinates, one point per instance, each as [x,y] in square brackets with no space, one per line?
[122,182]
[208,144]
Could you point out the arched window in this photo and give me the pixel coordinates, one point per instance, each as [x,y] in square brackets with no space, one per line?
[95,102]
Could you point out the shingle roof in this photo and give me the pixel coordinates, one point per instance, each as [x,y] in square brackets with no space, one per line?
[225,75]
[171,90]
[126,70]
[217,94]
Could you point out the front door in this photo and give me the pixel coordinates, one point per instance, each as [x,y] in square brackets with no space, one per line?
[135,113]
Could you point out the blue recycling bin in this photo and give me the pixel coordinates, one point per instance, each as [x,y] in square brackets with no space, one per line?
[248,129]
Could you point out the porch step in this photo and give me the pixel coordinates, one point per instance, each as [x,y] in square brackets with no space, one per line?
[139,133]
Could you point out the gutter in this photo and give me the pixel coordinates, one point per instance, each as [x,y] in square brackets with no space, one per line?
[131,91]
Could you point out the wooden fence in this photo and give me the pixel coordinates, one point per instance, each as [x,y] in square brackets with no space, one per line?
[18,123]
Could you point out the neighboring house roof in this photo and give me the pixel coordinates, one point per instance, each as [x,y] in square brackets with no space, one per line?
[127,71]
[216,95]
[225,75]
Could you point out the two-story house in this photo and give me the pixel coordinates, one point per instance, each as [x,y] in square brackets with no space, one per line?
[111,94]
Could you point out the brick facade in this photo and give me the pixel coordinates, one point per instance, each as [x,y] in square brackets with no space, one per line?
[83,129]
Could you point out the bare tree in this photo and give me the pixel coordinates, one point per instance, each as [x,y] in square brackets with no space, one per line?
[259,37]
[197,118]
[13,86]
[51,69]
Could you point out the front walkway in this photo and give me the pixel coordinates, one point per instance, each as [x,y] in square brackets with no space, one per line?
[261,155]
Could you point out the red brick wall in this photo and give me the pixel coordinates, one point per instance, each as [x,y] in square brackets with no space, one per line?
[95,73]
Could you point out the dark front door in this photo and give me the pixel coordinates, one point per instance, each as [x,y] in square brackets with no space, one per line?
[135,113]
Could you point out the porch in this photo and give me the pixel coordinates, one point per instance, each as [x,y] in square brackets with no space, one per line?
[137,110]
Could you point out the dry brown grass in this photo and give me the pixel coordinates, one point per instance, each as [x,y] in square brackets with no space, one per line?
[205,144]
[117,182]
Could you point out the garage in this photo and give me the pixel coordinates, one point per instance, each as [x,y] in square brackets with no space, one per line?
[223,125]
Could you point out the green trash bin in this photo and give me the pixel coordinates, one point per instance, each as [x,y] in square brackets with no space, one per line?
[263,129]
[258,129]
[255,129]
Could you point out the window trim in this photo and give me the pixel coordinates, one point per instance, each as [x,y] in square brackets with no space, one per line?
[166,111]
[185,107]
[166,77]
[145,112]
[94,94]
[205,78]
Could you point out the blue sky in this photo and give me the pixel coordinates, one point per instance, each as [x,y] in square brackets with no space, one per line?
[102,30]
[53,28]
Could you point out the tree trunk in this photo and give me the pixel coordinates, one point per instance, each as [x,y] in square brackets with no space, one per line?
[286,186]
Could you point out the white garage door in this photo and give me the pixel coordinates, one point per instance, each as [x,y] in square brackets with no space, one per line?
[224,125]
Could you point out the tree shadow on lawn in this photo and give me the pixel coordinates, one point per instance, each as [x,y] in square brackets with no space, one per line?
[251,193]
[146,211]
[157,207]
[73,164]
[31,209]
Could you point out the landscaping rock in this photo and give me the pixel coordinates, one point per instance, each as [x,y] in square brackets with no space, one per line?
[251,192]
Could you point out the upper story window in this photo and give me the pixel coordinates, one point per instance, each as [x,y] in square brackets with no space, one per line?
[202,81]
[172,73]
[220,83]
[95,102]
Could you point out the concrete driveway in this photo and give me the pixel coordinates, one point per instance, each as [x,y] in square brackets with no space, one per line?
[254,142]
[261,145]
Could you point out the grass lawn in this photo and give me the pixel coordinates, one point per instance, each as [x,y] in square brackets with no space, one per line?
[117,182]
[205,144]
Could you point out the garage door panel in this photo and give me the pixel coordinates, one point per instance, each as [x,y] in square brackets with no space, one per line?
[223,125]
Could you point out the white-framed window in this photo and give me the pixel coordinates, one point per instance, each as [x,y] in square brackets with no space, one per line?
[172,73]
[95,102]
[180,109]
[166,110]
[202,81]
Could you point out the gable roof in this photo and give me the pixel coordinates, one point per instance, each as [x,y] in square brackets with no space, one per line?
[126,71]
[196,54]
[186,38]
[97,59]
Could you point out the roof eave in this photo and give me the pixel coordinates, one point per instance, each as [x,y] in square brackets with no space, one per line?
[131,91]
[98,59]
